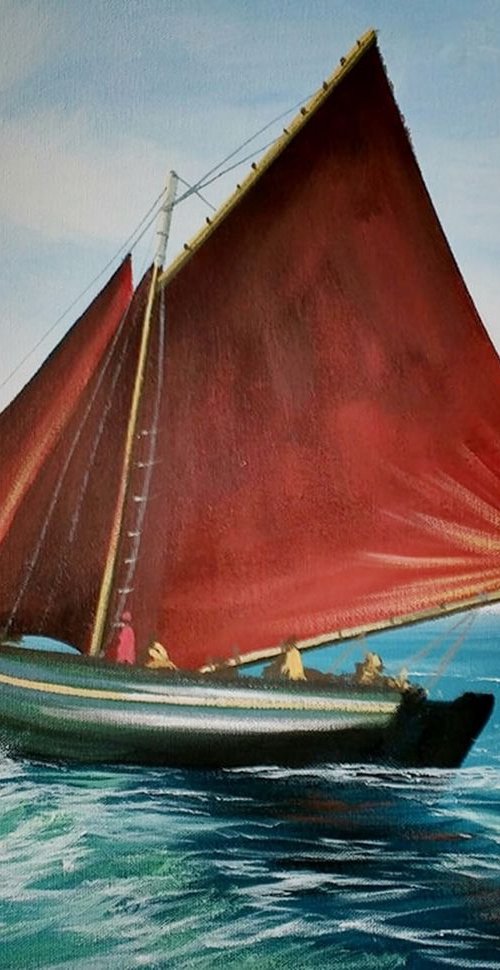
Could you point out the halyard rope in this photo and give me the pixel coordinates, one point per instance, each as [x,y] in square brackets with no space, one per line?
[145,223]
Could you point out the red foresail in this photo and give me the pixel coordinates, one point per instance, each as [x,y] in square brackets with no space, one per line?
[56,485]
[331,424]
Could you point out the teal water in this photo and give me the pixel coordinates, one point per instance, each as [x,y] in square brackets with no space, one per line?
[337,867]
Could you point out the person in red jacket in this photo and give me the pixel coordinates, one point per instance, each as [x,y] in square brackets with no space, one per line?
[125,650]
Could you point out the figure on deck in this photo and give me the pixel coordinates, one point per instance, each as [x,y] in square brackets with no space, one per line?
[400,681]
[125,650]
[288,665]
[159,658]
[369,670]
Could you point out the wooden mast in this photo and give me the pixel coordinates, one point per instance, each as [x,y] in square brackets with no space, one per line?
[164,221]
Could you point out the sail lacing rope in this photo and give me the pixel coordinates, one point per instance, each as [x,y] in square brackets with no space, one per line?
[57,491]
[135,533]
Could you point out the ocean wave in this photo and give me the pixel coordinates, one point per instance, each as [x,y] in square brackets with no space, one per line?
[339,866]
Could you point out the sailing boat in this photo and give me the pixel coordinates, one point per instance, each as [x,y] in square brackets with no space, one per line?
[275,437]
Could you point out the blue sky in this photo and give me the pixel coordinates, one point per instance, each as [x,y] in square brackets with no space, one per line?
[99,98]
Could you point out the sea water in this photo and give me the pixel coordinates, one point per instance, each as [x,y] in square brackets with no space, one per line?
[265,868]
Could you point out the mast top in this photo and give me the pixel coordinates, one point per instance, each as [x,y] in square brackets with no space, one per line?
[164,220]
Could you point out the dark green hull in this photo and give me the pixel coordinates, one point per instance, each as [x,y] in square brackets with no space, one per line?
[64,707]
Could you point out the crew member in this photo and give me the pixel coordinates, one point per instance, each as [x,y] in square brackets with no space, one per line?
[125,650]
[159,658]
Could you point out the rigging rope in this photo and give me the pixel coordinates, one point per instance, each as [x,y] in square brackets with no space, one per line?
[450,653]
[147,220]
[230,168]
[466,622]
[119,252]
[434,642]
[346,654]
[193,190]
[204,180]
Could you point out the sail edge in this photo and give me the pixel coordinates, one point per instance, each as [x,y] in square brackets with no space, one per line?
[340,636]
[364,43]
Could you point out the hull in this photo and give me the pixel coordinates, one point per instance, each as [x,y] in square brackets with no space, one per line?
[63,707]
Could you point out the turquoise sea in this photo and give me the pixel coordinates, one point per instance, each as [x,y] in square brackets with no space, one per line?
[264,868]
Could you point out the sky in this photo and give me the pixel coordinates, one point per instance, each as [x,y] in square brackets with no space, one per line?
[100,98]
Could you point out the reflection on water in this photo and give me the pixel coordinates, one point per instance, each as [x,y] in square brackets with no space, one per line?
[339,867]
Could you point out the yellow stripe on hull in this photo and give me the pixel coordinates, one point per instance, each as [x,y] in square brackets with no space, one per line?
[347,705]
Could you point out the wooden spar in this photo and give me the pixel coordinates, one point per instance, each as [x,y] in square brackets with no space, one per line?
[164,220]
[340,636]
[346,64]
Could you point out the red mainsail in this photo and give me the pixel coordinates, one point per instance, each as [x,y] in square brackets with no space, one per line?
[318,444]
[332,416]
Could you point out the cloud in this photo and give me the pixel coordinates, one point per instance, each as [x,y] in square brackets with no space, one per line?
[463,177]
[71,192]
[62,182]
[28,39]
[75,177]
[465,174]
